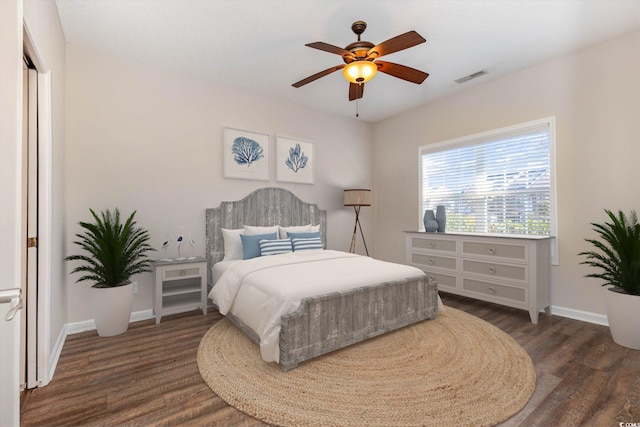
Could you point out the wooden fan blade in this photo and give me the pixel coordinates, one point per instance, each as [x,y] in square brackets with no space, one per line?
[318,75]
[356,90]
[401,42]
[326,47]
[402,72]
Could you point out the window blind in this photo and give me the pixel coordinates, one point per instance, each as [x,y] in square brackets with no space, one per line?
[496,182]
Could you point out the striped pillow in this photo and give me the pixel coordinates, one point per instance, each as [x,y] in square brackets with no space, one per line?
[301,244]
[275,247]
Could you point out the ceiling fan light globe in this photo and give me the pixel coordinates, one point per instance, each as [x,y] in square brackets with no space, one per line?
[360,71]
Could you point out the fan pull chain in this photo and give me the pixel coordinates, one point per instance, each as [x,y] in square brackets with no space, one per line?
[357,115]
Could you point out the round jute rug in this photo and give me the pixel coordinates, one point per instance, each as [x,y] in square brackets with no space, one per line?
[454,370]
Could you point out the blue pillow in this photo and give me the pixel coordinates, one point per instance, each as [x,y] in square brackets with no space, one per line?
[275,247]
[307,235]
[300,244]
[251,244]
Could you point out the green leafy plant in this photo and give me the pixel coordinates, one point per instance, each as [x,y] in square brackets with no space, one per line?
[618,252]
[116,251]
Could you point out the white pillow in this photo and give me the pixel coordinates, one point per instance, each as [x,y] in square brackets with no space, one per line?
[294,229]
[315,228]
[232,243]
[251,230]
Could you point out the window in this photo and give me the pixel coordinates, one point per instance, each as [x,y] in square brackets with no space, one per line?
[501,181]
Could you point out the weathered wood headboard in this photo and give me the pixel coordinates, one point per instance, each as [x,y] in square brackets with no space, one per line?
[264,207]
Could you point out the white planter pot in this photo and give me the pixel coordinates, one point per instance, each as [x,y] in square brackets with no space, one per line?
[112,309]
[623,313]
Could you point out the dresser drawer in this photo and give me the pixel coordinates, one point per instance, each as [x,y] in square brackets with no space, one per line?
[498,250]
[434,244]
[444,281]
[434,261]
[182,273]
[493,290]
[501,271]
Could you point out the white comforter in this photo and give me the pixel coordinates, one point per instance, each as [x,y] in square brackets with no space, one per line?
[259,291]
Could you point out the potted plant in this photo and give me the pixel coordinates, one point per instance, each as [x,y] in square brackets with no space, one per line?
[617,256]
[115,252]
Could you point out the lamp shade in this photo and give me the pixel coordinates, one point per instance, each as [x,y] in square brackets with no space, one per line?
[360,71]
[357,197]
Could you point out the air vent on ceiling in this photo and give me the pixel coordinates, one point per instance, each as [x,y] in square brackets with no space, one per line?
[472,76]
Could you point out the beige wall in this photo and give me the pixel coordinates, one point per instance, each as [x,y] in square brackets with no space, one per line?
[41,19]
[594,95]
[149,140]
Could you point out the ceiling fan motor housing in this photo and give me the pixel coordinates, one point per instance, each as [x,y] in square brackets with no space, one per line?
[358,48]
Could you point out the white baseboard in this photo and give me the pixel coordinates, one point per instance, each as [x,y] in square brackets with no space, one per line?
[90,325]
[55,354]
[584,316]
[137,316]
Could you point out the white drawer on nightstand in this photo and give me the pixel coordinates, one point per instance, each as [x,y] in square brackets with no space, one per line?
[181,273]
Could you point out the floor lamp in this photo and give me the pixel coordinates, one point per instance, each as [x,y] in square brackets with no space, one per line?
[357,198]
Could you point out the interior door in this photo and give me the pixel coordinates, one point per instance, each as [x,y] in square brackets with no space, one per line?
[10,334]
[11,23]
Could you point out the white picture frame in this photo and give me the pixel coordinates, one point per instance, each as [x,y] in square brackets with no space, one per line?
[295,160]
[245,154]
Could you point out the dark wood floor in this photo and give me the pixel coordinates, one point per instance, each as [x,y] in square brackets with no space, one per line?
[148,376]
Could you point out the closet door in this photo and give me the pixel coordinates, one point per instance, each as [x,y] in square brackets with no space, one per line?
[29,256]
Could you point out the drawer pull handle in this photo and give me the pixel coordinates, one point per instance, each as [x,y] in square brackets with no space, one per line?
[432,261]
[492,250]
[492,270]
[492,290]
[432,244]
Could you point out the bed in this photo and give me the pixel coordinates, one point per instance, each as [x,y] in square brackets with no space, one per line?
[321,320]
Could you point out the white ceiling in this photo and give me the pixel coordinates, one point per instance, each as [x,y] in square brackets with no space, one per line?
[260,44]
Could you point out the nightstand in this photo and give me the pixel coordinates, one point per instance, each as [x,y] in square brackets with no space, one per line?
[179,286]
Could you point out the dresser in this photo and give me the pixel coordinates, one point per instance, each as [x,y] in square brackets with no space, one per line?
[179,286]
[512,271]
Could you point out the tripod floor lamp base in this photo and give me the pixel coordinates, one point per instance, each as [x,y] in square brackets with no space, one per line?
[357,198]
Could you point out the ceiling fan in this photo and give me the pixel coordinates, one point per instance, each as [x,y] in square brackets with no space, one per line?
[361,62]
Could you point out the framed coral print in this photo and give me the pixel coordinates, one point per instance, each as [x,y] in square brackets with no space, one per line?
[245,155]
[294,160]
